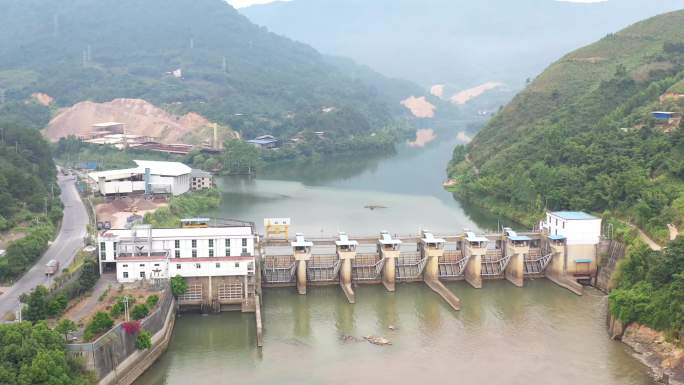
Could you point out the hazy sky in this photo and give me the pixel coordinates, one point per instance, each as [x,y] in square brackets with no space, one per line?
[247,3]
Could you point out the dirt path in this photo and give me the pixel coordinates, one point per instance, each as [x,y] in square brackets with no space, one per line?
[673,231]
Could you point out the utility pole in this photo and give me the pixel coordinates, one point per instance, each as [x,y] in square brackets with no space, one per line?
[125,301]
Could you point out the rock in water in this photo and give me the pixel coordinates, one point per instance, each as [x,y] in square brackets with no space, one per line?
[375,340]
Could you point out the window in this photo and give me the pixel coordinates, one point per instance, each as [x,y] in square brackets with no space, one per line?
[103,250]
[218,265]
[237,265]
[194,243]
[142,265]
[142,274]
[227,242]
[156,265]
[244,251]
[194,253]
[563,223]
[178,266]
[211,243]
[114,245]
[176,244]
[198,265]
[124,265]
[125,274]
[244,242]
[177,253]
[211,252]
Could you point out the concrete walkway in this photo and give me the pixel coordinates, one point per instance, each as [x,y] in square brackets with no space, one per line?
[90,302]
[650,242]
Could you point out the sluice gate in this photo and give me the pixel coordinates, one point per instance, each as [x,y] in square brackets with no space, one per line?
[452,265]
[323,268]
[367,267]
[535,262]
[278,269]
[409,267]
[494,264]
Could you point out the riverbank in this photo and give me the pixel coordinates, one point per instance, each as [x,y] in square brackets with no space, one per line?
[665,359]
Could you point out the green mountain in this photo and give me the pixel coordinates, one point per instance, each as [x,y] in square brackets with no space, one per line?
[233,71]
[581,136]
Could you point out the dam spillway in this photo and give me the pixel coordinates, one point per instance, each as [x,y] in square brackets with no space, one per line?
[389,260]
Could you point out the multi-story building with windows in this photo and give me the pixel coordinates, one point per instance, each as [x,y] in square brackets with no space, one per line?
[217,261]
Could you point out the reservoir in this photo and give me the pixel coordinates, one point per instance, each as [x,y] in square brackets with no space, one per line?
[503,335]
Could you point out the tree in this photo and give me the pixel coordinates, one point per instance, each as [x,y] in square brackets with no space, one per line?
[178,286]
[100,323]
[65,327]
[140,311]
[37,304]
[144,340]
[34,354]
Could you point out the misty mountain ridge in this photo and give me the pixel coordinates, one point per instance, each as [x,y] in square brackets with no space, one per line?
[459,43]
[200,56]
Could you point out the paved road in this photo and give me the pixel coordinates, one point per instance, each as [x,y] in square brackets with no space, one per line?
[64,248]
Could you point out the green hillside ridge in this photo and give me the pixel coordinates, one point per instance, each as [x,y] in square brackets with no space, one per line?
[77,50]
[677,88]
[580,136]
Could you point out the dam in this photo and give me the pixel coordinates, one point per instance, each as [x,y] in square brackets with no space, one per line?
[428,258]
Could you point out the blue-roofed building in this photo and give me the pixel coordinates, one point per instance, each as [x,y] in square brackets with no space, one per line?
[264,141]
[580,233]
[576,226]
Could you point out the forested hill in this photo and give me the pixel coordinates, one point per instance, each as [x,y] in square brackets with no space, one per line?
[233,71]
[581,136]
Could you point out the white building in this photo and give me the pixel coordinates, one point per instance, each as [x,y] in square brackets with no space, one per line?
[577,227]
[146,253]
[581,233]
[150,177]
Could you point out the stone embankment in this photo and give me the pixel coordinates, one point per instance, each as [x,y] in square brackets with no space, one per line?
[665,359]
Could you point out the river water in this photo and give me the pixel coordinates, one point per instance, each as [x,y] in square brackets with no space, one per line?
[540,334]
[326,196]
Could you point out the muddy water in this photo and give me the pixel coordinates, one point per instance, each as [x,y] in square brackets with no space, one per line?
[503,335]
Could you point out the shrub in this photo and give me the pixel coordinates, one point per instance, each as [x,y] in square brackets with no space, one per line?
[152,301]
[100,323]
[178,285]
[65,327]
[140,311]
[144,340]
[131,327]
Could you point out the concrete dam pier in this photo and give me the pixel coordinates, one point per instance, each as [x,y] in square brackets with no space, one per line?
[427,258]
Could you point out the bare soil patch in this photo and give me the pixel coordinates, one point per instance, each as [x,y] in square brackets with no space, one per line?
[471,93]
[419,107]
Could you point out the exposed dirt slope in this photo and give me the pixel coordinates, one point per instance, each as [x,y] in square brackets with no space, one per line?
[140,117]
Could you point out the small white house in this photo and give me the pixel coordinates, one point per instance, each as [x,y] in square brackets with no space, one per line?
[577,227]
[150,177]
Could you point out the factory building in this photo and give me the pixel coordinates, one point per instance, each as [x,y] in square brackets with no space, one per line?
[149,177]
